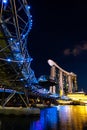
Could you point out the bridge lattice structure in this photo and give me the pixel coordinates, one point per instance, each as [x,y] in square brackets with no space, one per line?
[15,61]
[66,81]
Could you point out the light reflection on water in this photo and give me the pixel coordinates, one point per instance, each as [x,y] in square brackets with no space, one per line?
[48,120]
[54,118]
[73,117]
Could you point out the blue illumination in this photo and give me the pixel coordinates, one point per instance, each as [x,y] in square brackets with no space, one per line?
[23,36]
[26,85]
[31,59]
[22,61]
[4,1]
[17,43]
[21,79]
[48,120]
[30,16]
[29,7]
[31,24]
[9,60]
[11,39]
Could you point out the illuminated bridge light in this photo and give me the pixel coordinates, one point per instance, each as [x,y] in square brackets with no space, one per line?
[31,25]
[26,85]
[29,7]
[21,61]
[23,36]
[4,1]
[11,39]
[31,20]
[21,79]
[30,59]
[30,16]
[17,43]
[9,60]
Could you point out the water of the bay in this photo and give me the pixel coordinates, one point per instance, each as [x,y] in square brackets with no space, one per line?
[54,118]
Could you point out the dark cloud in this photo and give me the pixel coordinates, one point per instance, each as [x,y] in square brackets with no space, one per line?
[67,52]
[78,49]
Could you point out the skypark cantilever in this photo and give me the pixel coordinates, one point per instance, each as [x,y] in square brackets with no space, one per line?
[67,82]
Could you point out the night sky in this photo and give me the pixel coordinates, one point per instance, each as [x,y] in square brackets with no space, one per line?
[59,33]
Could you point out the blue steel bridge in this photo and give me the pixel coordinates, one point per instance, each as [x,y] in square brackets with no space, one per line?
[15,62]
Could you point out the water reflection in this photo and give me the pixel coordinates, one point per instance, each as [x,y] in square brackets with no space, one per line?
[55,118]
[48,120]
[73,117]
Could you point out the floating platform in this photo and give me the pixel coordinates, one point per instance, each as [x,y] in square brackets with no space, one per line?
[19,111]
